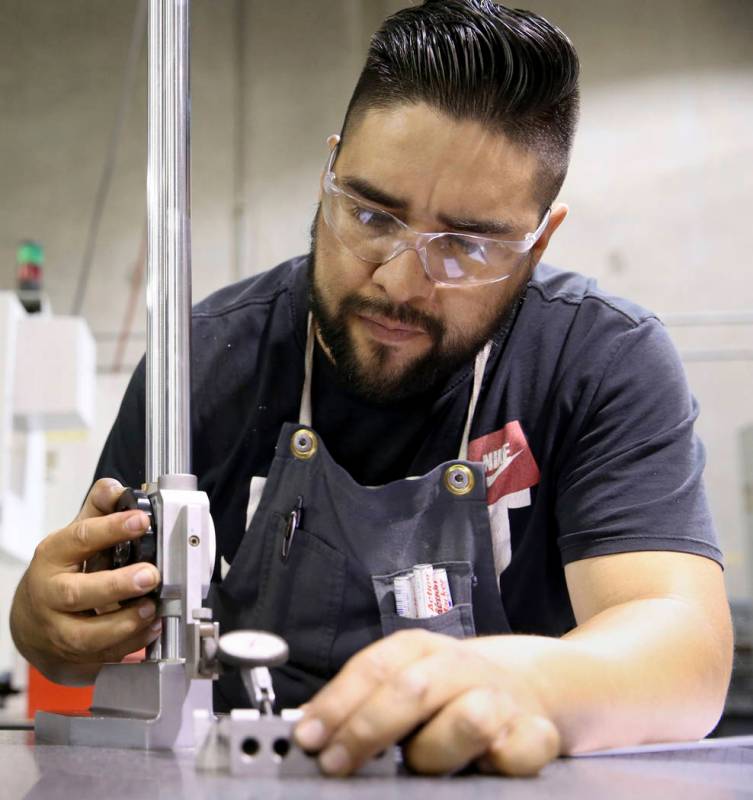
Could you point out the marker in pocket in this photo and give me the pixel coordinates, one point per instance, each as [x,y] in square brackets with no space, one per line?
[422,593]
[423,584]
[442,596]
[404,599]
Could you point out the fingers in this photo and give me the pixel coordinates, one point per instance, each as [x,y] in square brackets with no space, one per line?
[77,591]
[526,748]
[461,732]
[394,702]
[101,499]
[363,675]
[484,723]
[133,644]
[56,593]
[85,537]
[466,704]
[109,637]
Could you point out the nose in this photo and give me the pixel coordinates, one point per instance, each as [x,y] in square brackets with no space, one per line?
[403,277]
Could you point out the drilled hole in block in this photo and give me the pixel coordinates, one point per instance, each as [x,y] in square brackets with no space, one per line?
[281,747]
[250,746]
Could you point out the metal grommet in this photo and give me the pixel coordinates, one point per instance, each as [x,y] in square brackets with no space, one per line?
[459,479]
[303,445]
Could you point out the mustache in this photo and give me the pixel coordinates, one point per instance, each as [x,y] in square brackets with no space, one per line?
[354,304]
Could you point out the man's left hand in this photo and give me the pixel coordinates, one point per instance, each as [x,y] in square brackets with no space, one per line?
[451,704]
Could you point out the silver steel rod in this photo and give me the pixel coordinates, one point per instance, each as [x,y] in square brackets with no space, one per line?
[168,438]
[240,206]
[171,639]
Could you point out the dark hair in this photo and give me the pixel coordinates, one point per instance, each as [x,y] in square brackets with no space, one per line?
[509,70]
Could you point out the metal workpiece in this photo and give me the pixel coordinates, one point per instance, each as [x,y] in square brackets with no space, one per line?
[255,742]
[168,286]
[248,743]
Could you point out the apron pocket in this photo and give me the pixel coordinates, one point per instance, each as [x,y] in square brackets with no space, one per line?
[300,597]
[458,621]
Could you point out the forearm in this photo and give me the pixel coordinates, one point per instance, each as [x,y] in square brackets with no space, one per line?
[24,633]
[645,671]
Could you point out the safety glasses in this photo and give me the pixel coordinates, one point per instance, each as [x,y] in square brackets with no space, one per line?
[449,259]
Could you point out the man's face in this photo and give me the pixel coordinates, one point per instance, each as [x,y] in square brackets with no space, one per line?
[389,329]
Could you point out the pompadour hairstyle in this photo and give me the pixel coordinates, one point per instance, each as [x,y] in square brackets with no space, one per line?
[509,70]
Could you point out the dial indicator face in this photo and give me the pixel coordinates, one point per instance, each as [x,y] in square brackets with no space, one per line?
[253,649]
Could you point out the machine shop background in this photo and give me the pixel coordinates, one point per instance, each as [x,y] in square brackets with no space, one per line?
[659,192]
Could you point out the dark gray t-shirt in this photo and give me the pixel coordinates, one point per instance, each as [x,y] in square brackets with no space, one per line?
[584,425]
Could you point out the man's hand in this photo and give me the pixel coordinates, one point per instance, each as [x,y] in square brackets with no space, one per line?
[649,661]
[456,705]
[53,620]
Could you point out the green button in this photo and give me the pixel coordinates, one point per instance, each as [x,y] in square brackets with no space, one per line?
[30,253]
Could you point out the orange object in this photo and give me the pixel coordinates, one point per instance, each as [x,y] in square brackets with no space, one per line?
[45,695]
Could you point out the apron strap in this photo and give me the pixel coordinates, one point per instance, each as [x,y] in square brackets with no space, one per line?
[479,367]
[305,415]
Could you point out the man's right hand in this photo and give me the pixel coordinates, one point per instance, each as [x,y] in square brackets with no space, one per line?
[53,621]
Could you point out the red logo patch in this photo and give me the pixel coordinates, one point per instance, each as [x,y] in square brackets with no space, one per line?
[509,465]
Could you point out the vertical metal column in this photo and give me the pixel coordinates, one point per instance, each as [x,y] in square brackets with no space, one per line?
[168,291]
[168,419]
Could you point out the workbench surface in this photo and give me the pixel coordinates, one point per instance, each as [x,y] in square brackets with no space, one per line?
[40,771]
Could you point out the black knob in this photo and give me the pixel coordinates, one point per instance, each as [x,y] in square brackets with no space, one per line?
[133,552]
[145,547]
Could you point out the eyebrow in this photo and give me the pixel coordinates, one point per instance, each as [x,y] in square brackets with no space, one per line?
[480,227]
[370,192]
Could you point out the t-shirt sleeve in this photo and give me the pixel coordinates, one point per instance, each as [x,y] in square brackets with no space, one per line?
[633,481]
[123,456]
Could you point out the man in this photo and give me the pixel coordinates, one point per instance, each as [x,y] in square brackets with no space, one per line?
[421,393]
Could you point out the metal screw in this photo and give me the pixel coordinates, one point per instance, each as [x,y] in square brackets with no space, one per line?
[194,541]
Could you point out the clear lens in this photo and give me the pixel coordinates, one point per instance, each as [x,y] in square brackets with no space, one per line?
[453,258]
[369,234]
[450,258]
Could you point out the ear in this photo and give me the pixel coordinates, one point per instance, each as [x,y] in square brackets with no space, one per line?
[556,218]
[332,141]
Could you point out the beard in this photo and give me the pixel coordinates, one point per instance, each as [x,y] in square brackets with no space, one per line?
[373,379]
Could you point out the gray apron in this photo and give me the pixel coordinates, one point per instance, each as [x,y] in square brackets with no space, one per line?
[318,561]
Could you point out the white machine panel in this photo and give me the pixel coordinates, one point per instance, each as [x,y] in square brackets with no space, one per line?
[47,382]
[55,369]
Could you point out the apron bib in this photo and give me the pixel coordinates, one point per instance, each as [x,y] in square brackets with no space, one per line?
[318,562]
